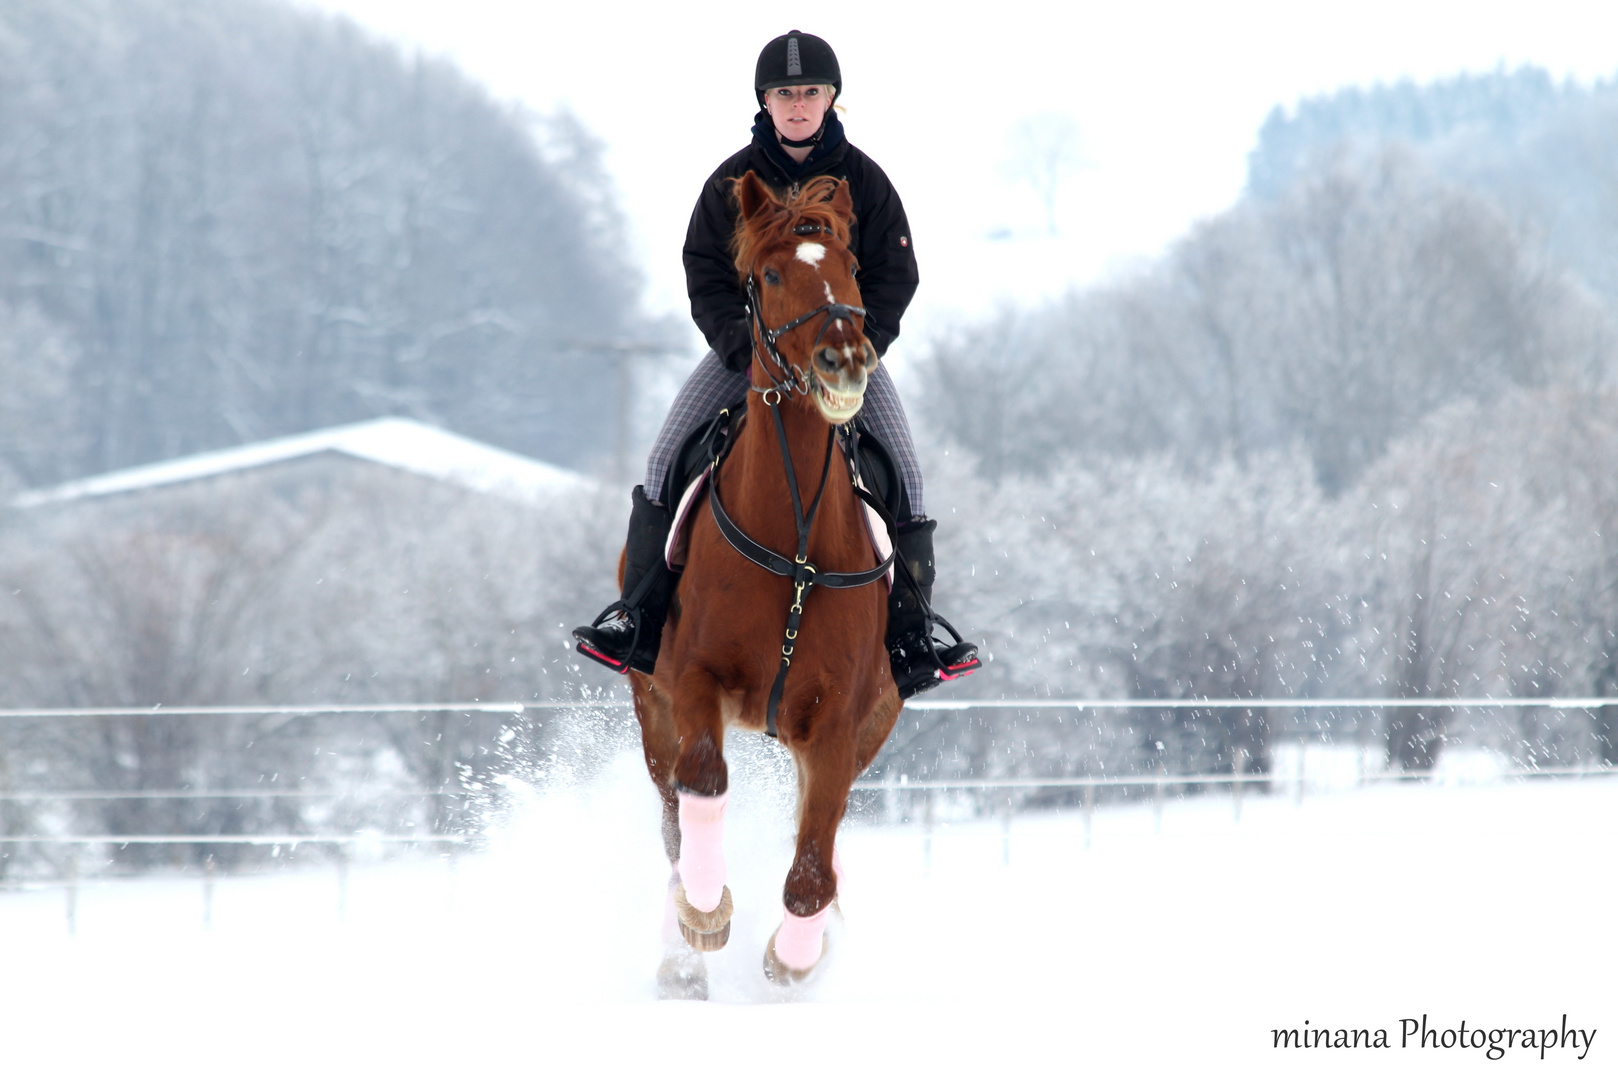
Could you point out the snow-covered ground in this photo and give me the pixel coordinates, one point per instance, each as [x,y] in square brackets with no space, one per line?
[1154,950]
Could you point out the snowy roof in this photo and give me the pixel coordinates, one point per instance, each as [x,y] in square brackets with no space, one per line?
[403,444]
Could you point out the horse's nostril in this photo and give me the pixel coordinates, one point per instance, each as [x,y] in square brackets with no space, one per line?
[827,359]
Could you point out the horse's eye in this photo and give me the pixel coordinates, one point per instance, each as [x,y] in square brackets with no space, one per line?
[771,278]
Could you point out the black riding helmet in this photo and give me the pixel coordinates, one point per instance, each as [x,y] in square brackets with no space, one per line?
[796,59]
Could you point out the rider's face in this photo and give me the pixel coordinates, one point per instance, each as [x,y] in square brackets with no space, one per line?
[797,110]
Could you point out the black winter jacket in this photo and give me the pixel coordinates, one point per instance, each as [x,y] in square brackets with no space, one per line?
[880,238]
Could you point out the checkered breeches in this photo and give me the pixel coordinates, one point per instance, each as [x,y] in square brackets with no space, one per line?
[712,386]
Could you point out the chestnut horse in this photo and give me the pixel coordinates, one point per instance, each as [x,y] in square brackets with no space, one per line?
[745,647]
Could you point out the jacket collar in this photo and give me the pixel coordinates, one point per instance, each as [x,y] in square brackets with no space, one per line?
[826,153]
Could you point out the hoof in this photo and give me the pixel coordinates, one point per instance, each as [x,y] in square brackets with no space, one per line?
[704,931]
[706,940]
[776,970]
[682,976]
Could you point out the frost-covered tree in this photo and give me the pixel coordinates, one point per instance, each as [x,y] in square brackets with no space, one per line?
[1044,150]
[244,219]
[1335,317]
[1490,569]
[1138,579]
[1138,524]
[298,586]
[1540,149]
[40,420]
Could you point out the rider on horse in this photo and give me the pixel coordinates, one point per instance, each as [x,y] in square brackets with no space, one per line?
[796,136]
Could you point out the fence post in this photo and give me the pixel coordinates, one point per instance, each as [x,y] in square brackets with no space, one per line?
[1239,767]
[73,894]
[1089,812]
[1005,834]
[342,885]
[1157,798]
[452,872]
[927,833]
[1303,750]
[207,892]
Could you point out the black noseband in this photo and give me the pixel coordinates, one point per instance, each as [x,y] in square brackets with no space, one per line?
[793,379]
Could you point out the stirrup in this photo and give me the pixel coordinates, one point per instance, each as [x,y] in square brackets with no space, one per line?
[605,653]
[957,660]
[939,663]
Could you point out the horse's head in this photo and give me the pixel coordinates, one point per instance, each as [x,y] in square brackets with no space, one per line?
[795,264]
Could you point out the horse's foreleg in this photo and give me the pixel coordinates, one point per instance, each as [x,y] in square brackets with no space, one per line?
[702,900]
[826,772]
[682,975]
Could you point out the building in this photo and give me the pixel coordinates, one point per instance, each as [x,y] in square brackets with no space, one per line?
[393,443]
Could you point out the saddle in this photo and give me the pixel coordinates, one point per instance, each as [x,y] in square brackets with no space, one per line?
[709,445]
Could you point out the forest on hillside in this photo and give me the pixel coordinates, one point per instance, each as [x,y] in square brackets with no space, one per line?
[1351,437]
[226,221]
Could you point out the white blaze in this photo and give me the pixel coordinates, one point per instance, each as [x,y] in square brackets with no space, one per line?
[811,253]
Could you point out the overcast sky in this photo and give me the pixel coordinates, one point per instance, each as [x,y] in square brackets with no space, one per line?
[1168,98]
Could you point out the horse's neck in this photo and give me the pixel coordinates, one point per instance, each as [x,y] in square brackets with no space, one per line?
[768,500]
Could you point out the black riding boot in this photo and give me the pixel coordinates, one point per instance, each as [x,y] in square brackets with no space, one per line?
[919,662]
[629,632]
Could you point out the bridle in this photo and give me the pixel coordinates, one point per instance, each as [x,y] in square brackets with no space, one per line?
[792,378]
[805,576]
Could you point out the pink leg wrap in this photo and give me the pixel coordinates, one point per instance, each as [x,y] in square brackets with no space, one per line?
[798,941]
[702,849]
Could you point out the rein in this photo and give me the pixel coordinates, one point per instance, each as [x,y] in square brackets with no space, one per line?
[805,576]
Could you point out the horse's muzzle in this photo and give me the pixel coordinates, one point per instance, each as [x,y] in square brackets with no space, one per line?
[838,407]
[840,374]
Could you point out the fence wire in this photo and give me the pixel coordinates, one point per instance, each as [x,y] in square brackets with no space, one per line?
[942,705]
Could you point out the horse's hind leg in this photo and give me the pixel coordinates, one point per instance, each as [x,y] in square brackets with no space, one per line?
[682,974]
[660,743]
[876,728]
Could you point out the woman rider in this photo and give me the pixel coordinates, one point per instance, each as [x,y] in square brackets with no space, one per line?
[796,136]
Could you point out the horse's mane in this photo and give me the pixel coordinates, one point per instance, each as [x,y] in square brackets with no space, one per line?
[810,206]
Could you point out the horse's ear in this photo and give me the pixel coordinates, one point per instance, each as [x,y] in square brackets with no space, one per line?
[753,196]
[842,203]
